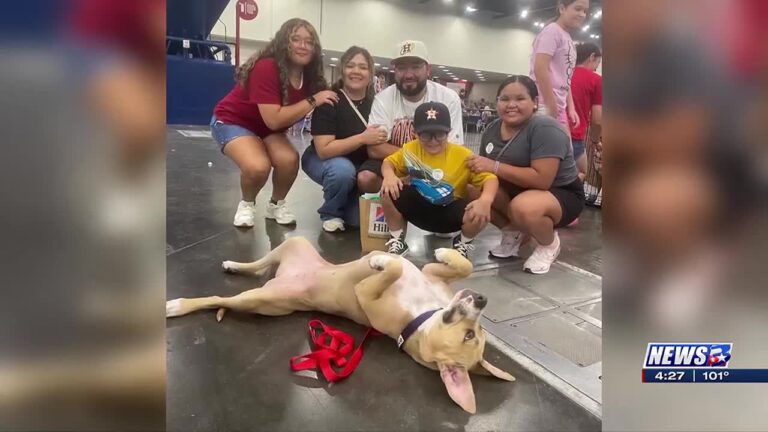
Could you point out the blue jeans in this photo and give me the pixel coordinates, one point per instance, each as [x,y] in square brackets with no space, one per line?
[338,177]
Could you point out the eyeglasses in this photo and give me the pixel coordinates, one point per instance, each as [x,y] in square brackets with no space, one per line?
[428,136]
[309,43]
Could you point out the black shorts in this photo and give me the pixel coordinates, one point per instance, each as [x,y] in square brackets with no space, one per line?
[570,197]
[372,165]
[427,216]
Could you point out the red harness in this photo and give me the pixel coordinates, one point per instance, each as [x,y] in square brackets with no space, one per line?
[331,345]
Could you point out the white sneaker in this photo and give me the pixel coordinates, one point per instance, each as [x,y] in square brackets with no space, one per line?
[246,211]
[509,246]
[333,225]
[543,257]
[280,213]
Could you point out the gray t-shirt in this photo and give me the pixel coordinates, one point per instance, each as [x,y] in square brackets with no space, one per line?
[542,137]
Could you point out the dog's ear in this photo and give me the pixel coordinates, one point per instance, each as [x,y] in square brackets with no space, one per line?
[459,386]
[485,368]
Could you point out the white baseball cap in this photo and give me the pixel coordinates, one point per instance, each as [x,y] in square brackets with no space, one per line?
[411,48]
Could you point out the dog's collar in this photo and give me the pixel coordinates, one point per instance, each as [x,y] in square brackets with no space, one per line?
[412,326]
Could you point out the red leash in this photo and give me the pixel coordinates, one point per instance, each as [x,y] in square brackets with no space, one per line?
[331,345]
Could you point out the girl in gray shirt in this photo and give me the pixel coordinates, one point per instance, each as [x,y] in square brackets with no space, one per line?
[539,188]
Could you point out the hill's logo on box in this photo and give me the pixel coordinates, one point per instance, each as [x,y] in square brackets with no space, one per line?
[376,222]
[687,355]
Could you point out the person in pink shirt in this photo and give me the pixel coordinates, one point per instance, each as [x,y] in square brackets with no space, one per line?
[554,59]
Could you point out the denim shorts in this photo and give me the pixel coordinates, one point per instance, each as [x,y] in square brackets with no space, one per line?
[224,133]
[578,148]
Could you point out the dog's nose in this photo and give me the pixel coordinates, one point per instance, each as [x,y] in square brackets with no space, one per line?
[480,301]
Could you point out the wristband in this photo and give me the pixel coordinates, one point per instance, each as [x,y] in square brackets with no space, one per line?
[312,101]
[496,167]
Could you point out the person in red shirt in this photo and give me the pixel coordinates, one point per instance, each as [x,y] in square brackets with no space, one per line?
[123,58]
[275,88]
[587,90]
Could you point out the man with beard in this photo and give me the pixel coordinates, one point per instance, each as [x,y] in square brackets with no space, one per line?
[394,107]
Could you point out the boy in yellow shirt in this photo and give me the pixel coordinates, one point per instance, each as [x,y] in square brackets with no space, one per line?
[403,203]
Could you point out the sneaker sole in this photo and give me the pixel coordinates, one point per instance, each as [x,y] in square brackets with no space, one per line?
[528,270]
[514,255]
[293,222]
[244,225]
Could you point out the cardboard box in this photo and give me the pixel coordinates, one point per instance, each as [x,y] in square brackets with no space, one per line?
[374,232]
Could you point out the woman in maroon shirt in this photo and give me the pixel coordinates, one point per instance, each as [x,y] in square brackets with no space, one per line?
[275,88]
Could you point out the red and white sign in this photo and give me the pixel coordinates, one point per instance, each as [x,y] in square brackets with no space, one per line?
[247,9]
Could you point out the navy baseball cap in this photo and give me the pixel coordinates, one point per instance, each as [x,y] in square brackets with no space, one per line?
[432,117]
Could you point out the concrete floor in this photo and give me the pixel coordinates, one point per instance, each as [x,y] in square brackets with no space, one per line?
[235,376]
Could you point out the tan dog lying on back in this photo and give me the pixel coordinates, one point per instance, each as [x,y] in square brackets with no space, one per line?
[379,290]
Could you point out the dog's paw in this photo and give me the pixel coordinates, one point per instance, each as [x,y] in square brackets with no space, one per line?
[441,255]
[229,266]
[378,262]
[173,308]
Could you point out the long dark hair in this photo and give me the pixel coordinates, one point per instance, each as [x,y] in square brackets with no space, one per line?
[526,81]
[278,49]
[345,58]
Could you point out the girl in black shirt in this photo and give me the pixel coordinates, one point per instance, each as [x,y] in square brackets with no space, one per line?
[340,136]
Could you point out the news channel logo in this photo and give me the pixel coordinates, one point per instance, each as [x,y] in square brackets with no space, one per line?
[687,355]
